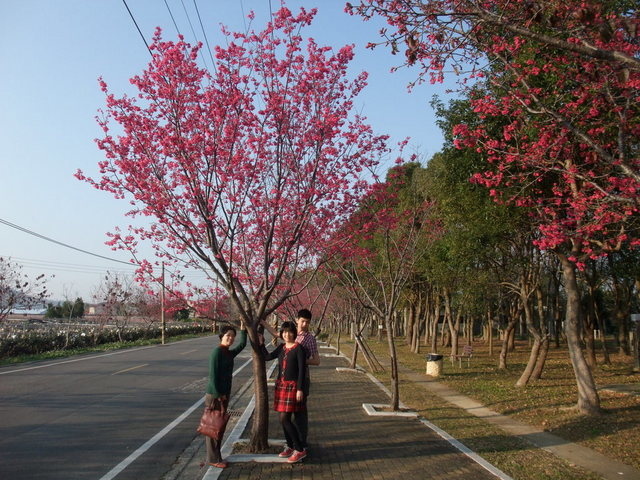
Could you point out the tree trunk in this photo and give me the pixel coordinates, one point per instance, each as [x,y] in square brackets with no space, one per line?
[511,341]
[395,385]
[258,440]
[557,317]
[409,317]
[533,358]
[535,335]
[502,358]
[428,318]
[490,331]
[434,324]
[544,337]
[420,321]
[507,336]
[589,338]
[621,315]
[588,399]
[354,357]
[542,359]
[605,352]
[454,329]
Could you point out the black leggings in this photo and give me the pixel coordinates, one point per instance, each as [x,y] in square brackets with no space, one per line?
[291,433]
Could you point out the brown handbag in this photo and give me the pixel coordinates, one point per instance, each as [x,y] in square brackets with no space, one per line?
[214,420]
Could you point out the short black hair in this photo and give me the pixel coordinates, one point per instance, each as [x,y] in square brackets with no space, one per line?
[225,328]
[304,313]
[291,326]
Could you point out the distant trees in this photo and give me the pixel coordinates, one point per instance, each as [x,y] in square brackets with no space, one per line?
[17,290]
[120,298]
[66,309]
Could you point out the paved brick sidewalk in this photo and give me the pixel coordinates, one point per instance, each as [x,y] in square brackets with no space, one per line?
[346,443]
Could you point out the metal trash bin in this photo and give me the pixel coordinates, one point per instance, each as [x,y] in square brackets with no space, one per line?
[434,364]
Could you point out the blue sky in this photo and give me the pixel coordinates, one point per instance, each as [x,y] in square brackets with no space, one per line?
[51,55]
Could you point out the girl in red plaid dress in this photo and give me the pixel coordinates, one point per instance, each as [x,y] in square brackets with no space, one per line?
[289,394]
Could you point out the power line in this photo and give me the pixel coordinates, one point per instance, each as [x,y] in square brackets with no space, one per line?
[213,62]
[31,232]
[193,32]
[136,24]
[64,267]
[37,264]
[244,17]
[173,19]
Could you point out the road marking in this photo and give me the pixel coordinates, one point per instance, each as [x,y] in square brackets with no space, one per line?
[189,351]
[129,369]
[90,358]
[75,360]
[213,473]
[158,436]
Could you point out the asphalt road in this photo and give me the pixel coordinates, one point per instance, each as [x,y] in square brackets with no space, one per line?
[126,414]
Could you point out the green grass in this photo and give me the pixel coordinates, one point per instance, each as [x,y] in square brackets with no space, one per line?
[547,404]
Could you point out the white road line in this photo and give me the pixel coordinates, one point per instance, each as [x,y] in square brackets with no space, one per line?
[89,358]
[213,473]
[75,360]
[448,438]
[129,369]
[153,440]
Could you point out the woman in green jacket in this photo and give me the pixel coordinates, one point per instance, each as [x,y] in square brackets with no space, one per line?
[219,386]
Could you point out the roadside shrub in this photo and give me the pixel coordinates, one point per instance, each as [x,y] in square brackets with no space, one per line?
[24,339]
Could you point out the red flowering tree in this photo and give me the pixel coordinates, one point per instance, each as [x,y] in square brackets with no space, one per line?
[244,172]
[392,230]
[313,292]
[566,78]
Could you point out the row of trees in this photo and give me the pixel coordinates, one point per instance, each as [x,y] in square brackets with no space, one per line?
[473,268]
[67,309]
[554,91]
[118,298]
[258,173]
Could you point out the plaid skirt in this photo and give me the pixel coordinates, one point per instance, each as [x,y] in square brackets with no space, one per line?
[285,397]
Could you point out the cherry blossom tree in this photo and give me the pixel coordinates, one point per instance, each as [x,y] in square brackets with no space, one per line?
[566,77]
[314,292]
[243,172]
[392,229]
[17,290]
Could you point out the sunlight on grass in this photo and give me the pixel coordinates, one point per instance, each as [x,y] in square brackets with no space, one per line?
[547,404]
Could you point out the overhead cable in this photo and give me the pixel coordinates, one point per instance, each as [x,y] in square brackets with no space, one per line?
[213,62]
[173,19]
[136,24]
[35,234]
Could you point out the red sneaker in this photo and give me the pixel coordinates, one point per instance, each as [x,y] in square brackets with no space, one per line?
[297,456]
[286,452]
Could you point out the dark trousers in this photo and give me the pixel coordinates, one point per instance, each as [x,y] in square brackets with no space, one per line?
[301,421]
[291,433]
[213,446]
[301,418]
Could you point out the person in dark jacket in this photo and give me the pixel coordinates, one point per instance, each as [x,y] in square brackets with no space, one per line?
[289,391]
[219,385]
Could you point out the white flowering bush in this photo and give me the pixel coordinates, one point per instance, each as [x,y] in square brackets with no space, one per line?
[17,339]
